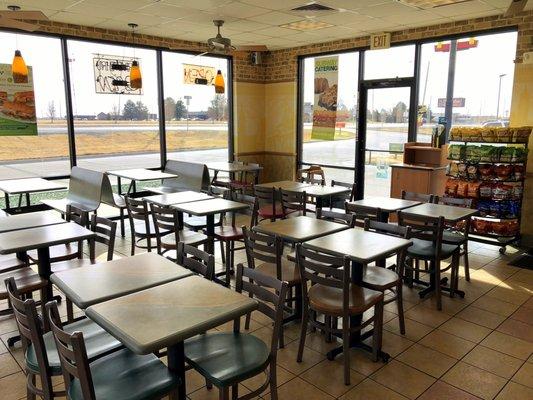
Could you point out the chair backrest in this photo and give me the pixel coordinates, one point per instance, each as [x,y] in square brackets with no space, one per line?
[85,188]
[165,220]
[138,211]
[351,186]
[293,201]
[108,197]
[31,332]
[72,354]
[191,176]
[460,226]
[362,212]
[342,218]
[80,217]
[271,294]
[424,198]
[456,202]
[106,232]
[391,230]
[217,191]
[266,196]
[246,199]
[314,175]
[199,261]
[423,228]
[263,247]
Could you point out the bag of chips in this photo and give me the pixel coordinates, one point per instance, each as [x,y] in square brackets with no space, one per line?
[507,154]
[462,189]
[485,190]
[451,187]
[504,135]
[473,190]
[518,172]
[488,154]
[456,152]
[456,134]
[486,171]
[503,171]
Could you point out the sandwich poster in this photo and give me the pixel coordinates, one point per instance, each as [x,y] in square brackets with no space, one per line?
[17,104]
[325,102]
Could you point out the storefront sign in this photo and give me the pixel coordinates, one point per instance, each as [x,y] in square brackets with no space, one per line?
[198,74]
[462,45]
[17,104]
[325,104]
[457,102]
[380,41]
[112,74]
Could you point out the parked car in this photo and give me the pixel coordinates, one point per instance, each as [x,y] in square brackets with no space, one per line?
[496,123]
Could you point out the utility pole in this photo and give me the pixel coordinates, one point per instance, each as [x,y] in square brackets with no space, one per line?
[187,102]
[499,92]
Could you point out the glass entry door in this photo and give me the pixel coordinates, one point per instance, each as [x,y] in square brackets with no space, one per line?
[384,128]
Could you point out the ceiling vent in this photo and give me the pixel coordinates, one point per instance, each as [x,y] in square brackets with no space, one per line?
[313,10]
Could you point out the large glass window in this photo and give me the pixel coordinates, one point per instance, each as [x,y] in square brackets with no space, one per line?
[115,127]
[33,128]
[196,117]
[394,62]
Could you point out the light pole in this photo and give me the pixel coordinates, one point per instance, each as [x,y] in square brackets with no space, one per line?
[187,102]
[499,92]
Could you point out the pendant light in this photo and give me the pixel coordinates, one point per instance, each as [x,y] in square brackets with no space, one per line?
[219,83]
[19,70]
[136,81]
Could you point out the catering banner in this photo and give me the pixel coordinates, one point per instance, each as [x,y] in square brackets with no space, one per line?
[17,104]
[198,74]
[325,104]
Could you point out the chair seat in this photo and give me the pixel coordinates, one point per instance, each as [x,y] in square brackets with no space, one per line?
[425,250]
[266,212]
[10,263]
[27,280]
[71,264]
[228,232]
[186,236]
[456,238]
[289,271]
[97,341]
[194,222]
[140,228]
[227,358]
[329,299]
[57,252]
[124,375]
[241,184]
[378,278]
[119,201]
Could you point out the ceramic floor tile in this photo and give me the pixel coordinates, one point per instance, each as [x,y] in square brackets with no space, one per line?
[495,305]
[524,314]
[509,345]
[515,391]
[8,365]
[493,361]
[329,377]
[298,389]
[481,317]
[517,329]
[371,390]
[427,360]
[413,330]
[448,344]
[466,330]
[508,292]
[287,358]
[13,387]
[282,377]
[427,316]
[443,391]
[524,376]
[474,380]
[403,379]
[393,344]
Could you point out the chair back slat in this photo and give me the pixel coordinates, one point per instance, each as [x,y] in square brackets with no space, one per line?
[456,202]
[386,228]
[251,201]
[293,201]
[166,222]
[198,261]
[106,232]
[334,216]
[320,268]
[138,211]
[262,247]
[314,175]
[423,227]
[423,197]
[349,196]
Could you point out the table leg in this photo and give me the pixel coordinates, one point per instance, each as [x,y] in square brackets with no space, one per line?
[210,230]
[27,199]
[319,202]
[176,363]
[6,197]
[383,217]
[45,268]
[119,184]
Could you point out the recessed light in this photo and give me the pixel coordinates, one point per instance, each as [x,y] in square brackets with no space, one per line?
[307,25]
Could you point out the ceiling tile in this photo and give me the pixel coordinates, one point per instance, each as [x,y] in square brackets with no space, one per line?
[275,31]
[341,18]
[205,5]
[276,18]
[412,17]
[251,37]
[387,9]
[276,4]
[353,4]
[502,4]
[206,17]
[245,25]
[78,19]
[240,10]
[38,4]
[166,10]
[375,25]
[127,5]
[469,7]
[140,19]
[94,10]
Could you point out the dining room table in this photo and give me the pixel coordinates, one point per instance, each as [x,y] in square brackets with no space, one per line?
[107,280]
[387,205]
[26,186]
[164,316]
[168,199]
[135,175]
[233,168]
[285,185]
[29,220]
[362,248]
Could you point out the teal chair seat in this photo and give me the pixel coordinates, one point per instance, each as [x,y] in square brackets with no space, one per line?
[123,375]
[425,250]
[97,340]
[227,358]
[453,238]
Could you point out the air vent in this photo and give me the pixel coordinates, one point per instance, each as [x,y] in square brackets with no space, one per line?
[313,7]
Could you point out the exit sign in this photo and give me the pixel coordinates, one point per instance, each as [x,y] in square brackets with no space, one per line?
[380,41]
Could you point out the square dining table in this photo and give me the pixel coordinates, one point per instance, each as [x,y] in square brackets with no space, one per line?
[104,281]
[232,168]
[285,185]
[165,316]
[29,220]
[320,192]
[362,248]
[26,186]
[138,175]
[167,199]
[450,213]
[388,205]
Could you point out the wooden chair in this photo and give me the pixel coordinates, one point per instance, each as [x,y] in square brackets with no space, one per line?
[27,280]
[388,279]
[40,353]
[361,213]
[199,261]
[293,202]
[422,197]
[267,203]
[427,236]
[227,358]
[327,290]
[246,180]
[337,201]
[314,175]
[224,181]
[334,216]
[169,233]
[141,227]
[120,375]
[229,235]
[458,233]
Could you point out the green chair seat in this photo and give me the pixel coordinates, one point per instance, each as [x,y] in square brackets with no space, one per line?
[425,250]
[123,375]
[227,358]
[97,341]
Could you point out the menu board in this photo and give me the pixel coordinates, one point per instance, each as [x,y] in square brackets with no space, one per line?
[17,104]
[198,74]
[325,102]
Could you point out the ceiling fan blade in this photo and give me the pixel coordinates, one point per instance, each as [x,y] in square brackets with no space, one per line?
[202,54]
[258,47]
[516,7]
[29,15]
[11,23]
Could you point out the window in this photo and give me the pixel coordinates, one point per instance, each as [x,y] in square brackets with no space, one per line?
[196,117]
[112,130]
[44,151]
[397,61]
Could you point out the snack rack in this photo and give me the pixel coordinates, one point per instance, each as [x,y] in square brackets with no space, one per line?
[488,165]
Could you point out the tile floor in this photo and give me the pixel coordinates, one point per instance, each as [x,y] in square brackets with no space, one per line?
[477,347]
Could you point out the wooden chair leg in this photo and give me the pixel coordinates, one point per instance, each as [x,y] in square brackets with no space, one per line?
[417,269]
[235,392]
[247,321]
[273,382]
[222,253]
[438,294]
[378,330]
[346,348]
[122,225]
[227,265]
[327,322]
[467,265]
[399,303]
[70,311]
[223,393]
[30,395]
[208,385]
[303,334]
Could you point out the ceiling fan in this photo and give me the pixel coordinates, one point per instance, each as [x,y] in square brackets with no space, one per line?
[12,17]
[515,7]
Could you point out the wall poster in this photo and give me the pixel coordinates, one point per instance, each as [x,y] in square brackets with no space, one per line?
[325,103]
[17,104]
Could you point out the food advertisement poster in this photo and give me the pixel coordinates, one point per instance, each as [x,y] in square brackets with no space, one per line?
[198,74]
[325,103]
[112,74]
[17,104]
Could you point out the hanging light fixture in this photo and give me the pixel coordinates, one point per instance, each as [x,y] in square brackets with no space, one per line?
[19,70]
[219,83]
[136,81]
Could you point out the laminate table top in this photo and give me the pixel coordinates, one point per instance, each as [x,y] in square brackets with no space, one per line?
[387,204]
[323,190]
[30,220]
[286,185]
[299,229]
[29,185]
[450,213]
[232,167]
[104,281]
[141,174]
[177,198]
[360,246]
[42,237]
[165,315]
[210,207]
